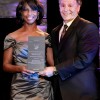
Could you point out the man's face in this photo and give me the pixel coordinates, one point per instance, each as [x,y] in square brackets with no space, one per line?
[69,9]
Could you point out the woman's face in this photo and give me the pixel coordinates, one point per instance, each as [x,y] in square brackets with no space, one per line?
[29,16]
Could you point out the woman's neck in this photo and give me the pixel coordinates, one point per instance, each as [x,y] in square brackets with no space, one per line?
[30,28]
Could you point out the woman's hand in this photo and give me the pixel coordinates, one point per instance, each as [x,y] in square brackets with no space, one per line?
[25,70]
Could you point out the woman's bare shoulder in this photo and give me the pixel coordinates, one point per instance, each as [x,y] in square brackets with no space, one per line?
[46,34]
[43,33]
[15,33]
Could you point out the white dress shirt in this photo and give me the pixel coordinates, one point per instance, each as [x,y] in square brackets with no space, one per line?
[68,24]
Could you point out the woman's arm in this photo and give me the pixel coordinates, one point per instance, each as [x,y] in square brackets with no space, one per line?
[7,63]
[50,56]
[49,71]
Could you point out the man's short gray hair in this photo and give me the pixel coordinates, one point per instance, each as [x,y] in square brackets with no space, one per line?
[78,1]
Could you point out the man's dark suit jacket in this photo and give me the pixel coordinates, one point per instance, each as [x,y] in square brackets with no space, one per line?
[74,60]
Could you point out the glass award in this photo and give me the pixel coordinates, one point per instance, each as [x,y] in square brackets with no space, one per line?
[36,53]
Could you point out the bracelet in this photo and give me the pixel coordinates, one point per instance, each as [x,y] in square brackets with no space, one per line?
[55,72]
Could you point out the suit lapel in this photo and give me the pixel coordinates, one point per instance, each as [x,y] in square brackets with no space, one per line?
[68,32]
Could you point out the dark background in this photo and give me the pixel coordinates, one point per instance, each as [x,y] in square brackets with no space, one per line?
[89,11]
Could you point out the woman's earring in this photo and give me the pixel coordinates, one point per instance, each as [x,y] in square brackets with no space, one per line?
[38,17]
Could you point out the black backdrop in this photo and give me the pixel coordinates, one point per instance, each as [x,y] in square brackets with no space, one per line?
[89,11]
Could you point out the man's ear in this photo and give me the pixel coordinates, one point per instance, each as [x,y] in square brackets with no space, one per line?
[78,8]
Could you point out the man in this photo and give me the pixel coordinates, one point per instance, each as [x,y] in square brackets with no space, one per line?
[74,53]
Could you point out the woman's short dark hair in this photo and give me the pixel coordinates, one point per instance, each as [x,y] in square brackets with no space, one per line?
[34,5]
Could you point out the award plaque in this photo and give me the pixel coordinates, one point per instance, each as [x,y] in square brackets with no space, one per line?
[36,53]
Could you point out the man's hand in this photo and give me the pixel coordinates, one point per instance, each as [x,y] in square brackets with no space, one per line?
[48,71]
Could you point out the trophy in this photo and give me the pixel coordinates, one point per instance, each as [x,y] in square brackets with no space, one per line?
[36,55]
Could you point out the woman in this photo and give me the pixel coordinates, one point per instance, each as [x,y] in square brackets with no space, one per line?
[29,13]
